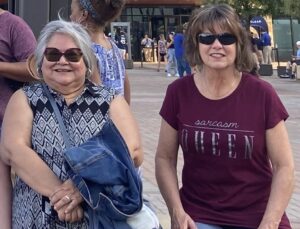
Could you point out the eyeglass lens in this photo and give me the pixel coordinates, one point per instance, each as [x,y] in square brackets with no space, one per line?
[224,38]
[54,55]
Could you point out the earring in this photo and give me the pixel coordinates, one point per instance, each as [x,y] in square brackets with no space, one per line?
[88,73]
[39,73]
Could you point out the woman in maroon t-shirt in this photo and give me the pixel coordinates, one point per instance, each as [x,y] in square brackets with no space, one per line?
[236,174]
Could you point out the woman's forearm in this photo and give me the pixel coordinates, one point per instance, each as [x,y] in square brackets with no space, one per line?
[5,196]
[32,170]
[281,191]
[166,176]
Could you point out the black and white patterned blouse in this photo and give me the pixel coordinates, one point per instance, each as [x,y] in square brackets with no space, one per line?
[83,119]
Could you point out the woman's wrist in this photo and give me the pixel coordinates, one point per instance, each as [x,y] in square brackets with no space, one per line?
[269,224]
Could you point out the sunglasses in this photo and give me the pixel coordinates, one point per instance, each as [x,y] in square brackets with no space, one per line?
[224,38]
[71,55]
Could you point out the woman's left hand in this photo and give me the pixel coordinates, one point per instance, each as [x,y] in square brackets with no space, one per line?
[66,194]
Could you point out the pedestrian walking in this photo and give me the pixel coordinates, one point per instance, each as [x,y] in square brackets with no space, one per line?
[182,64]
[172,62]
[161,50]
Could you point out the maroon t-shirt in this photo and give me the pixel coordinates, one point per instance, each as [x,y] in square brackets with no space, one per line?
[226,178]
[17,42]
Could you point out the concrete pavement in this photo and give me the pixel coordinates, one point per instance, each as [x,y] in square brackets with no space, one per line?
[148,89]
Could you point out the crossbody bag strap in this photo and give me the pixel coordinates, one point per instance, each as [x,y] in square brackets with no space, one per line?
[58,116]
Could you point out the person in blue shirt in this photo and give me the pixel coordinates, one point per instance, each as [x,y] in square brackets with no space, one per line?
[267,49]
[182,64]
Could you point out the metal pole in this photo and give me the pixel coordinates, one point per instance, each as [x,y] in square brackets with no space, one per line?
[292,35]
[153,57]
[142,57]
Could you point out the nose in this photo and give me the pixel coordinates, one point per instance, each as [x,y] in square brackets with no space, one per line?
[216,43]
[62,59]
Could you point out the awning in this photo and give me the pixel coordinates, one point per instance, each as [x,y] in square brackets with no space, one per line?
[259,23]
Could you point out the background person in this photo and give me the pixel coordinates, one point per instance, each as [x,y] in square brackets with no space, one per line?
[161,49]
[267,49]
[14,50]
[121,42]
[64,59]
[95,15]
[147,47]
[172,62]
[236,173]
[291,66]
[182,64]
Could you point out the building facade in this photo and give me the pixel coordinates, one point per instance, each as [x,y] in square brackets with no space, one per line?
[149,16]
[154,17]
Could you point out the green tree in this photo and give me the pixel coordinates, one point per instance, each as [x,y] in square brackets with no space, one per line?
[249,8]
[290,8]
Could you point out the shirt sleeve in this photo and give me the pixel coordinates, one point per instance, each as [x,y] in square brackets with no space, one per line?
[169,109]
[23,45]
[275,110]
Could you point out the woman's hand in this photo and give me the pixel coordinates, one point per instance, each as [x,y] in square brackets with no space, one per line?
[181,220]
[74,216]
[66,197]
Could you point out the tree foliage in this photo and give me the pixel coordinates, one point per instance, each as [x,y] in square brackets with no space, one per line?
[291,8]
[249,8]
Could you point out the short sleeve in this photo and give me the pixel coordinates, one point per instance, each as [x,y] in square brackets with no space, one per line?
[169,110]
[23,45]
[275,110]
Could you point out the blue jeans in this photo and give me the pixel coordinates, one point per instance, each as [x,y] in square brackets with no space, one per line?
[183,66]
[171,60]
[207,226]
[212,226]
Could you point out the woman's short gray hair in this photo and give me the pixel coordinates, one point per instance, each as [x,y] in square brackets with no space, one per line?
[75,31]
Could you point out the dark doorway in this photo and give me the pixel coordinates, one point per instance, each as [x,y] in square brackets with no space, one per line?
[157,27]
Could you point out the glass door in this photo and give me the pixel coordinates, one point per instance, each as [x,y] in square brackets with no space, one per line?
[157,26]
[171,22]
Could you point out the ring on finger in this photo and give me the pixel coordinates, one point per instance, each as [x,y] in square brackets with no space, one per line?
[67,197]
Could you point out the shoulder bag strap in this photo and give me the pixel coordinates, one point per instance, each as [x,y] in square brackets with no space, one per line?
[58,116]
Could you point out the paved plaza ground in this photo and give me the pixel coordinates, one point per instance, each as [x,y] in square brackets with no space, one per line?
[148,89]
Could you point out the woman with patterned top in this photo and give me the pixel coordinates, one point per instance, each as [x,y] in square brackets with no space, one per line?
[64,60]
[95,15]
[238,170]
[161,50]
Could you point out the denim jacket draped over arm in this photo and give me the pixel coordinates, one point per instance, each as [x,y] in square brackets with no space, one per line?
[104,173]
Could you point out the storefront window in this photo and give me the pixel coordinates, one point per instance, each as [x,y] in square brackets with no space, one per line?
[153,21]
[286,34]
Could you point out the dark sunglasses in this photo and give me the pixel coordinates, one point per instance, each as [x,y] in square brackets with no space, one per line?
[224,38]
[71,55]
